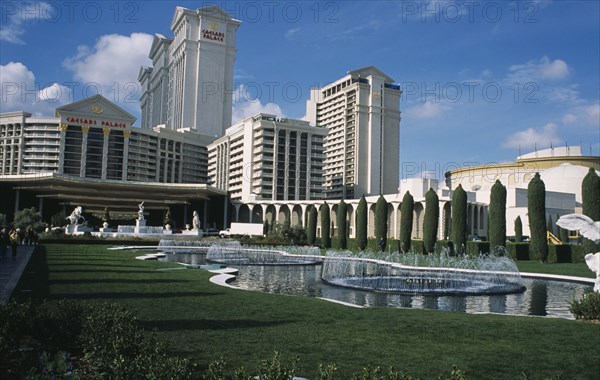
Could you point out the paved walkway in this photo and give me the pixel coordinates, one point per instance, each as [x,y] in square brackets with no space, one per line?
[11,269]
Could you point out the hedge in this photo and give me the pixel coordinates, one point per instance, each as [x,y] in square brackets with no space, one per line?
[475,248]
[518,251]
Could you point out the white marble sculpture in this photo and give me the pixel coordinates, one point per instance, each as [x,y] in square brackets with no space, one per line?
[196,221]
[141,211]
[588,229]
[75,216]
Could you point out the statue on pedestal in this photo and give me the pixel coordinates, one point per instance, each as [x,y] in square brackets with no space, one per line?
[196,222]
[141,211]
[75,216]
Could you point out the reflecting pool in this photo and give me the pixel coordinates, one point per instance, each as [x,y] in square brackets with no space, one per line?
[541,297]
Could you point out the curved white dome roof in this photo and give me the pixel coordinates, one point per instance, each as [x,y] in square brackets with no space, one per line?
[565,178]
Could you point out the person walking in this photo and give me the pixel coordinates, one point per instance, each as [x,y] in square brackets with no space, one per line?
[4,241]
[15,240]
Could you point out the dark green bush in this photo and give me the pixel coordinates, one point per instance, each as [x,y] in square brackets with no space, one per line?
[578,252]
[444,245]
[476,248]
[518,251]
[559,253]
[587,308]
[417,246]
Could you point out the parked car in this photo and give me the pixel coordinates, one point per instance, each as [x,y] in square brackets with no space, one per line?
[211,232]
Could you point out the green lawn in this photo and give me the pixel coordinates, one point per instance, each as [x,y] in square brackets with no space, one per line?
[568,269]
[204,322]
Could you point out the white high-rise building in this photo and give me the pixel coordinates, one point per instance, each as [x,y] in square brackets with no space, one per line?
[190,85]
[362,148]
[268,158]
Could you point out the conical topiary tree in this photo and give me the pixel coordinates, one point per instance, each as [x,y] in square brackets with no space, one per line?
[361,224]
[459,220]
[325,226]
[518,230]
[342,238]
[497,216]
[590,198]
[536,208]
[311,228]
[406,221]
[430,223]
[381,219]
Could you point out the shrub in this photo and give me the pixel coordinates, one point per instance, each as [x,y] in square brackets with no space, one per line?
[406,221]
[518,230]
[536,208]
[459,219]
[381,220]
[590,198]
[430,223]
[361,224]
[587,308]
[559,253]
[444,245]
[311,229]
[497,216]
[518,251]
[325,226]
[476,248]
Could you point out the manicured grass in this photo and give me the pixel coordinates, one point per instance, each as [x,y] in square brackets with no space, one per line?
[205,322]
[566,269]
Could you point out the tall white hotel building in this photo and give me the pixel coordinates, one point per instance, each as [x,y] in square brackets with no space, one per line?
[362,148]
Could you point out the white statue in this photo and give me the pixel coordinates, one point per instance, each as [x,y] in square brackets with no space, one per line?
[196,221]
[141,212]
[75,216]
[588,229]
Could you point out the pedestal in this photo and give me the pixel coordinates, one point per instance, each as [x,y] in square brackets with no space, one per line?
[198,233]
[140,226]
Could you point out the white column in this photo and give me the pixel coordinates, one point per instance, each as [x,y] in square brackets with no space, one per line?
[84,138]
[61,148]
[126,135]
[286,165]
[106,132]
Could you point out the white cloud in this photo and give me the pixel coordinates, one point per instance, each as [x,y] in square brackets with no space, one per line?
[245,104]
[291,33]
[427,110]
[592,114]
[543,69]
[530,138]
[21,92]
[16,14]
[112,66]
[569,118]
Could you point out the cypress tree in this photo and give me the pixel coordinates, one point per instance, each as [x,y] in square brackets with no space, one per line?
[311,229]
[342,239]
[497,216]
[361,224]
[406,221]
[518,230]
[325,226]
[536,208]
[590,198]
[381,219]
[459,219]
[430,223]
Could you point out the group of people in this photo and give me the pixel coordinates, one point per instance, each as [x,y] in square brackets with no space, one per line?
[14,238]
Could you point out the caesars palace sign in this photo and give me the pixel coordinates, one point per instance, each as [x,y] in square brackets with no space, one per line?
[212,33]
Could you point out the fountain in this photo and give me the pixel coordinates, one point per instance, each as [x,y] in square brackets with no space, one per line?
[423,274]
[232,255]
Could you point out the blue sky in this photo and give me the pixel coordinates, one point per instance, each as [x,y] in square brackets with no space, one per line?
[481,79]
